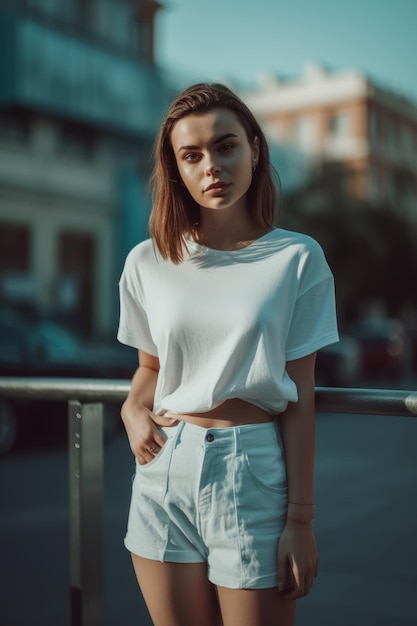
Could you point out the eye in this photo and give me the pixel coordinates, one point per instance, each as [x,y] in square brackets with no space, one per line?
[191,157]
[226,147]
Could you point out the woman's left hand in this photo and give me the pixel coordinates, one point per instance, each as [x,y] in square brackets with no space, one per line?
[297,560]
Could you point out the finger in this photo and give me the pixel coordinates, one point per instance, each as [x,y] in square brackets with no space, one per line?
[154,449]
[304,586]
[166,418]
[298,579]
[165,421]
[285,581]
[147,452]
[281,579]
[159,440]
[294,592]
[301,583]
[146,457]
[290,594]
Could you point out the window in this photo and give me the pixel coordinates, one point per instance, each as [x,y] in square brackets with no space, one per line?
[381,129]
[339,124]
[76,142]
[14,247]
[75,287]
[304,133]
[17,286]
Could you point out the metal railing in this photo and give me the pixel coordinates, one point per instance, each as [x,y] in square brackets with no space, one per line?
[85,449]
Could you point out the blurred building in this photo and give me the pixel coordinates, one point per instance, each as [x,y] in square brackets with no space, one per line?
[354,132]
[80,100]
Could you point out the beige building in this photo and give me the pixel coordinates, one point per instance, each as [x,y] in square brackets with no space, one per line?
[346,124]
[57,215]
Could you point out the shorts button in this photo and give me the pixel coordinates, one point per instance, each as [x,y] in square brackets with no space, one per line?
[210,437]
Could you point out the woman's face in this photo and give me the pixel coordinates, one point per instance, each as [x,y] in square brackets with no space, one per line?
[215,158]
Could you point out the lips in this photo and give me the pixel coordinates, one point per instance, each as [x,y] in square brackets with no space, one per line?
[217,186]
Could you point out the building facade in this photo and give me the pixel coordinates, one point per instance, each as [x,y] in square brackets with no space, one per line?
[348,126]
[80,101]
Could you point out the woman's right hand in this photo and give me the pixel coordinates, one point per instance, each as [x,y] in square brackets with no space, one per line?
[143,431]
[142,426]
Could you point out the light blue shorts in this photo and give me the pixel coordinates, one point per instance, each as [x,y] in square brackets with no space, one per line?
[216,495]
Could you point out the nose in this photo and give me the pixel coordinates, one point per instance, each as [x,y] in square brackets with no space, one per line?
[212,167]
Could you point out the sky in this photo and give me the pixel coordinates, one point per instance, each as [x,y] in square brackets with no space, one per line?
[238,40]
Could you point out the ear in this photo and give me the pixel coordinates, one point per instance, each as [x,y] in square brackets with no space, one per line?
[255,151]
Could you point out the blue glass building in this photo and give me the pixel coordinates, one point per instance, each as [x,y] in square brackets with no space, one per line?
[80,101]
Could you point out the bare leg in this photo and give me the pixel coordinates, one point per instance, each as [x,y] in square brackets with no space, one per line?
[255,607]
[177,594]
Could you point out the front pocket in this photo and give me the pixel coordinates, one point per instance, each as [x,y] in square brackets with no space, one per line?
[171,434]
[151,479]
[266,467]
[157,458]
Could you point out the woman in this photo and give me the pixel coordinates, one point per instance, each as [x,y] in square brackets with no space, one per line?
[227,313]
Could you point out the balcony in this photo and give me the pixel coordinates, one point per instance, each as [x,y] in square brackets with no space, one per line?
[57,69]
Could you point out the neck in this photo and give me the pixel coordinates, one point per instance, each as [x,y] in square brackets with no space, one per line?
[222,233]
[221,229]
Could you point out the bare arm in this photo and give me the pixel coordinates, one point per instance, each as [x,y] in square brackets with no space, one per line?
[298,558]
[141,424]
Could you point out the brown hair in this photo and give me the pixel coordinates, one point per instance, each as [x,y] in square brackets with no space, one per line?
[174,211]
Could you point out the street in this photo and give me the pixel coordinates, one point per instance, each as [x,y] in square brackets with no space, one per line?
[365,525]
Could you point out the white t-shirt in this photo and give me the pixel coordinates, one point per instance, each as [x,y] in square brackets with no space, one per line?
[224,323]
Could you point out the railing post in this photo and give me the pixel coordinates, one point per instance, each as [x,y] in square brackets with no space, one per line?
[86,513]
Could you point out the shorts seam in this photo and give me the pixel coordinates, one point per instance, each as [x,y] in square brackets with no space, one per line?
[237,517]
[173,556]
[266,581]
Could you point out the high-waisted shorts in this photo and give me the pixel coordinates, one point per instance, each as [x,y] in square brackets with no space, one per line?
[216,495]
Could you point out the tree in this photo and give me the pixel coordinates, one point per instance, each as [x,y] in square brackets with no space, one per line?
[370,249]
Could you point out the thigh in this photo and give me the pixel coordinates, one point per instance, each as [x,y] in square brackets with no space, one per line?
[255,607]
[177,594]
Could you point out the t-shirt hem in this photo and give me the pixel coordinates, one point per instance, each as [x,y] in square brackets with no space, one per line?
[309,348]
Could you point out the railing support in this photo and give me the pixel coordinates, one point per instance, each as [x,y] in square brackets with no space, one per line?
[85,443]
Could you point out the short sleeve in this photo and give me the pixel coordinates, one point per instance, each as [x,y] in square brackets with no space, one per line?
[133,324]
[313,324]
